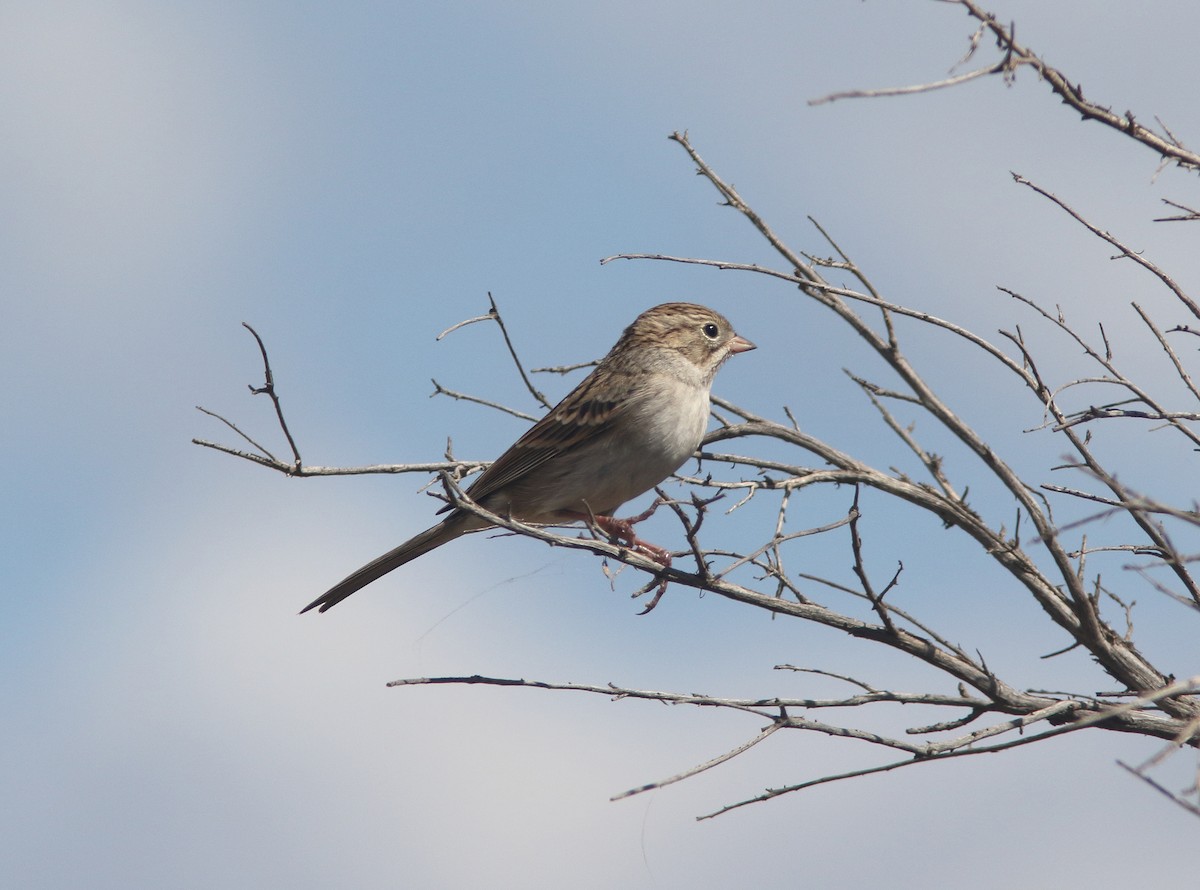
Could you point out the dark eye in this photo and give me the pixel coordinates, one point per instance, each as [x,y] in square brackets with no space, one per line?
[711,331]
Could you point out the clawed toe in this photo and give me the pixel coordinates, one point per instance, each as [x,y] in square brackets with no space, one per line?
[621,530]
[658,594]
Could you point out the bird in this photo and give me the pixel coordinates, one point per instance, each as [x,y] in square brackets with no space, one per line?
[626,427]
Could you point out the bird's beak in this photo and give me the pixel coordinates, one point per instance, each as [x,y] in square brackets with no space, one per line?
[740,344]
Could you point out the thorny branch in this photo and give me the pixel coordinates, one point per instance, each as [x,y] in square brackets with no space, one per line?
[1043,556]
[926,644]
[1015,56]
[1085,712]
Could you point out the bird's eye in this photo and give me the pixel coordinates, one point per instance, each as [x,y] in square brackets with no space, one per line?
[711,331]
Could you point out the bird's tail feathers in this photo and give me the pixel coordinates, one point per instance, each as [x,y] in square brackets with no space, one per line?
[417,546]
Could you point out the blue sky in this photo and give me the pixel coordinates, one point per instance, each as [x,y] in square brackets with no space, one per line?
[352,179]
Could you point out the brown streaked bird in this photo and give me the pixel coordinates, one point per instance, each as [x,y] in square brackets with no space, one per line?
[625,428]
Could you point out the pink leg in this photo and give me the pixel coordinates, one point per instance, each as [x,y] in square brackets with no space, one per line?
[621,530]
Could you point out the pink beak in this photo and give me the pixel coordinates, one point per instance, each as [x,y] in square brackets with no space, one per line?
[740,344]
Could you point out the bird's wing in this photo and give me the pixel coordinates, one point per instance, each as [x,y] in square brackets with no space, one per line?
[583,415]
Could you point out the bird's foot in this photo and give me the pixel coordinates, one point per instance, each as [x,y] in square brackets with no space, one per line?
[621,531]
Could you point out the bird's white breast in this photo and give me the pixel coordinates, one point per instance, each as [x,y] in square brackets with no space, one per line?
[662,430]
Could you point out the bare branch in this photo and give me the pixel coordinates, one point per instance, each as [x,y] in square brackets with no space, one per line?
[708,764]
[1189,214]
[1178,799]
[998,68]
[493,314]
[439,390]
[1125,251]
[1016,56]
[268,387]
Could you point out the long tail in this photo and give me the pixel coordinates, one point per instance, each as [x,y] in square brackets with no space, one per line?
[427,540]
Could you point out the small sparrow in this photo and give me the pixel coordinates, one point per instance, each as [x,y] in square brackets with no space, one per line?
[625,428]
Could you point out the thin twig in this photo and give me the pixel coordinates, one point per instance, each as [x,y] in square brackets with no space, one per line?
[708,764]
[439,390]
[909,90]
[493,314]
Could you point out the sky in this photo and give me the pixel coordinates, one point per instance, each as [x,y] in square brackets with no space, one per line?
[352,179]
